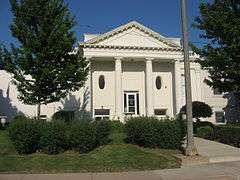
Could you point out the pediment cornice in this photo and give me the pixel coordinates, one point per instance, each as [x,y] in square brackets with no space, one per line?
[94,41]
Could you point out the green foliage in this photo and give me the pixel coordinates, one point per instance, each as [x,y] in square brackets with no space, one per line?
[205,132]
[63,115]
[19,117]
[199,109]
[117,126]
[151,132]
[182,124]
[44,67]
[109,158]
[25,135]
[53,137]
[199,124]
[227,134]
[102,131]
[82,136]
[219,21]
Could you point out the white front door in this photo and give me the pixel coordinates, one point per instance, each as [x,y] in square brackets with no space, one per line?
[131,102]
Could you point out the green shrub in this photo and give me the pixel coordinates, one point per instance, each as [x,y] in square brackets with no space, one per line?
[53,137]
[199,124]
[199,110]
[25,135]
[117,126]
[182,124]
[151,132]
[19,117]
[64,115]
[228,134]
[82,136]
[102,131]
[205,132]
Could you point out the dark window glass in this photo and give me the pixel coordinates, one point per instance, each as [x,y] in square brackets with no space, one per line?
[101,111]
[158,82]
[219,116]
[101,82]
[160,112]
[137,103]
[125,102]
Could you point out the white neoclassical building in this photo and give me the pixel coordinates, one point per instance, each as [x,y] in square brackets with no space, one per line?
[134,71]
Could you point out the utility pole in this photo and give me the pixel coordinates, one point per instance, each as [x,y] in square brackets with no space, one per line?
[190,148]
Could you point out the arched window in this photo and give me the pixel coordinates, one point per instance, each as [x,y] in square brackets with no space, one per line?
[158,82]
[101,81]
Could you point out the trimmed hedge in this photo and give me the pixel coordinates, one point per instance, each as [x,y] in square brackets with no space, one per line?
[151,132]
[64,115]
[30,135]
[102,131]
[85,136]
[25,135]
[205,132]
[117,126]
[199,124]
[53,137]
[227,134]
[82,137]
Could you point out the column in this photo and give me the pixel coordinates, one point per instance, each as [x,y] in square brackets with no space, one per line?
[118,88]
[177,80]
[149,87]
[90,84]
[198,81]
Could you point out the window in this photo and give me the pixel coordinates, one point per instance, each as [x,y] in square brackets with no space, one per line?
[101,114]
[131,103]
[216,91]
[160,112]
[158,82]
[219,116]
[101,81]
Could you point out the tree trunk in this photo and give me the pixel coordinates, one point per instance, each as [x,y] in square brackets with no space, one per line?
[38,111]
[190,148]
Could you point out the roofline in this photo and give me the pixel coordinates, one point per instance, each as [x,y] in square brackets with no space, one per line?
[141,27]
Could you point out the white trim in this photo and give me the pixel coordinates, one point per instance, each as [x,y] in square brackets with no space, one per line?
[128,26]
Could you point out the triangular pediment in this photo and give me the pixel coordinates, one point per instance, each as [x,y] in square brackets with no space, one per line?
[132,34]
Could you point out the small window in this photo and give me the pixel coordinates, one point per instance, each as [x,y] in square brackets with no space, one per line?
[158,82]
[160,112]
[219,116]
[101,82]
[100,114]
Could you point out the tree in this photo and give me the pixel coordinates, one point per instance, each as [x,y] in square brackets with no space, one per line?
[45,66]
[199,109]
[219,22]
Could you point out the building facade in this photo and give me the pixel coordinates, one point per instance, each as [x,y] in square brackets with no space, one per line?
[134,71]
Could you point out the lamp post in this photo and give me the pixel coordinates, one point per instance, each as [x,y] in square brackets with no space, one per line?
[190,148]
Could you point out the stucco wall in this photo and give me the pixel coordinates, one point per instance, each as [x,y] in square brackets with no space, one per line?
[104,98]
[133,79]
[163,98]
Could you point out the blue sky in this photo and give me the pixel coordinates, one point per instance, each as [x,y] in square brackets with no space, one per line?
[98,16]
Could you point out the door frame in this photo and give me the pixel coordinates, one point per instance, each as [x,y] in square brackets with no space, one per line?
[135,93]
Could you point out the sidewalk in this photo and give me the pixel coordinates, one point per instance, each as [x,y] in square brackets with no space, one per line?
[217,152]
[215,171]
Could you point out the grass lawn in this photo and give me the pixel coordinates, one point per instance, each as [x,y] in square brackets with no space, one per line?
[116,156]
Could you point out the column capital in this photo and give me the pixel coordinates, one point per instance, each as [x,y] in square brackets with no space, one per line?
[149,59]
[119,58]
